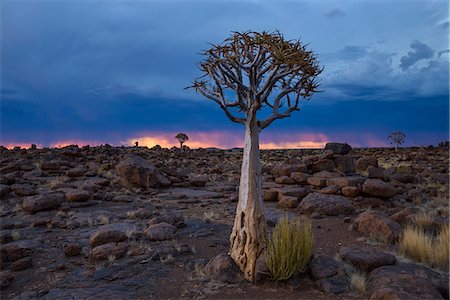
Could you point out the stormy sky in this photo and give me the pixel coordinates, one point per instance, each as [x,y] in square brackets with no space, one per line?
[95,72]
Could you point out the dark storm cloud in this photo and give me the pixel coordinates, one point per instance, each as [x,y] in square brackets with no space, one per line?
[109,69]
[420,51]
[335,13]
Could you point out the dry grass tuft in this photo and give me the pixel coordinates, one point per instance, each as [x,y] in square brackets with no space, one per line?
[424,247]
[289,248]
[423,219]
[358,282]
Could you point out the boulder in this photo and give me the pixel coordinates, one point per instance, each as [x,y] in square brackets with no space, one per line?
[345,164]
[134,171]
[4,190]
[406,281]
[288,202]
[333,285]
[286,170]
[364,162]
[22,264]
[322,266]
[378,188]
[299,192]
[105,251]
[350,191]
[349,181]
[378,226]
[160,232]
[222,268]
[77,195]
[270,195]
[366,259]
[317,181]
[16,250]
[46,201]
[106,234]
[23,190]
[338,148]
[323,165]
[284,180]
[300,177]
[72,249]
[329,205]
[333,189]
[373,172]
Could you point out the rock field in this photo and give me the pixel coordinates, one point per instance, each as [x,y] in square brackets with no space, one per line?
[137,223]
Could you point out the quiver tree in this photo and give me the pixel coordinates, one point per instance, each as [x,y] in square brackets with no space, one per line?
[182,137]
[253,72]
[397,138]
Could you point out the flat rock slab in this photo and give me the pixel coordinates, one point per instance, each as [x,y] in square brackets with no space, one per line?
[366,259]
[329,205]
[402,282]
[182,193]
[47,201]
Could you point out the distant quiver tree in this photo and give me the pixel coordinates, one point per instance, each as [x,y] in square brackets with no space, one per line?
[397,138]
[182,137]
[252,74]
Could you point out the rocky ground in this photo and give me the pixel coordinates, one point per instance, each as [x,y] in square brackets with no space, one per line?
[139,223]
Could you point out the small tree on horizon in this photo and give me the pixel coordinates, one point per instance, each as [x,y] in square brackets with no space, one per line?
[397,138]
[182,137]
[253,72]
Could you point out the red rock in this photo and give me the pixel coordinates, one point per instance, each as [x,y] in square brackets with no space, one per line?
[288,202]
[378,188]
[300,177]
[316,181]
[378,226]
[222,268]
[284,180]
[160,232]
[104,251]
[322,204]
[350,191]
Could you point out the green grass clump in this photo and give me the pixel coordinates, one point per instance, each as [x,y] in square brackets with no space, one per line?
[289,248]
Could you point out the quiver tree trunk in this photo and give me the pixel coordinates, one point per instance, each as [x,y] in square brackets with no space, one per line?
[248,238]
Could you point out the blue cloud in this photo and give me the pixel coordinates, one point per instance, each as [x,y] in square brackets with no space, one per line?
[420,51]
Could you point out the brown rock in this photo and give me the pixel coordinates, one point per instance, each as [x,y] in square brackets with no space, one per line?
[22,264]
[378,226]
[23,190]
[104,251]
[42,202]
[366,259]
[333,285]
[373,172]
[284,180]
[329,205]
[222,268]
[299,192]
[349,181]
[76,172]
[77,195]
[401,216]
[135,171]
[378,188]
[50,165]
[160,232]
[401,282]
[345,164]
[288,202]
[72,249]
[286,170]
[316,181]
[270,195]
[16,250]
[324,266]
[106,234]
[300,177]
[364,162]
[323,165]
[334,189]
[350,191]
[338,148]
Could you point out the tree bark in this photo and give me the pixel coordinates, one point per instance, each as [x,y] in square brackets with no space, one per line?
[248,237]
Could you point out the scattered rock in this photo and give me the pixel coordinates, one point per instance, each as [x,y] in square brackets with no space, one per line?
[46,201]
[300,177]
[378,188]
[160,232]
[366,259]
[324,266]
[108,251]
[378,226]
[329,205]
[135,171]
[22,264]
[338,148]
[284,180]
[72,249]
[288,202]
[76,195]
[222,268]
[364,162]
[350,191]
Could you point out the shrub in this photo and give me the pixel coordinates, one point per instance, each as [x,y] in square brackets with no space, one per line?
[289,248]
[422,246]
